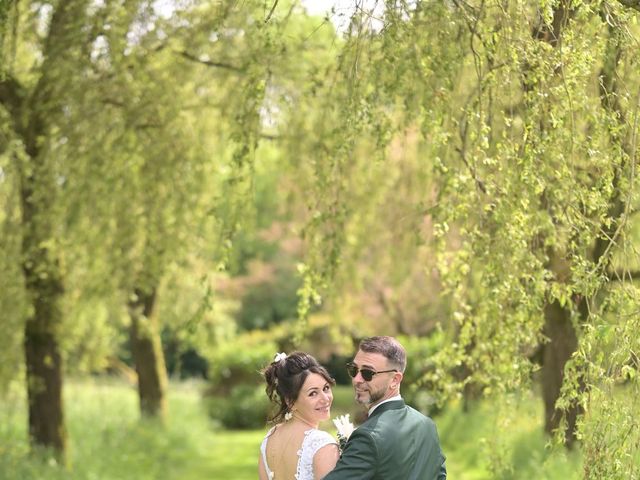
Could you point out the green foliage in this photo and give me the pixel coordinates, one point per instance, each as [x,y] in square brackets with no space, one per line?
[236,396]
[195,318]
[110,443]
[608,358]
[262,264]
[13,301]
[239,361]
[451,174]
[500,438]
[271,302]
[93,333]
[415,389]
[522,189]
[243,407]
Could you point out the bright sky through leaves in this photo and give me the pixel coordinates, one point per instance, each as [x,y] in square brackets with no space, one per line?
[342,9]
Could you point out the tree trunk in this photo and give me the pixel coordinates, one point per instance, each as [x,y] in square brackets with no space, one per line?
[558,326]
[43,280]
[44,387]
[563,341]
[147,354]
[44,285]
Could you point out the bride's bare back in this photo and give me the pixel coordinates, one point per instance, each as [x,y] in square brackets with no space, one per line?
[282,449]
[282,457]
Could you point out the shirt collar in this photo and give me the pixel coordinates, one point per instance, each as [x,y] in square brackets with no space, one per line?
[397,397]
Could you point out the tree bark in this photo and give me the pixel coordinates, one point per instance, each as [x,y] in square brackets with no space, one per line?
[563,341]
[44,383]
[45,287]
[147,354]
[41,268]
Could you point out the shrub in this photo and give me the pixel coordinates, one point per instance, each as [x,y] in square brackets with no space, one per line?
[239,361]
[236,396]
[246,407]
[415,390]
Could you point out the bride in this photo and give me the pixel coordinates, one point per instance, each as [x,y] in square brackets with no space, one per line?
[294,447]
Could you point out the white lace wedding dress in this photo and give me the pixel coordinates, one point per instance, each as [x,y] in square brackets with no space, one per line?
[313,441]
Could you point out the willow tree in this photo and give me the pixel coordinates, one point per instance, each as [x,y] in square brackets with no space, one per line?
[119,124]
[527,115]
[182,92]
[85,119]
[544,195]
[34,89]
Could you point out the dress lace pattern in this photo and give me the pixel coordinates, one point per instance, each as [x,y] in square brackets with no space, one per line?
[313,441]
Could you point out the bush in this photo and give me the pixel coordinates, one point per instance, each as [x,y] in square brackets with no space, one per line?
[416,391]
[246,407]
[236,396]
[238,362]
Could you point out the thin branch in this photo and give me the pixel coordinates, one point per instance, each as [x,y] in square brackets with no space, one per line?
[622,275]
[209,63]
[273,9]
[115,103]
[269,136]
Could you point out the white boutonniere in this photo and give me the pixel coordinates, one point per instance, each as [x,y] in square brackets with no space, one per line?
[344,426]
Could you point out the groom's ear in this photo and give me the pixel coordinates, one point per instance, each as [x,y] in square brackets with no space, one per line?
[397,379]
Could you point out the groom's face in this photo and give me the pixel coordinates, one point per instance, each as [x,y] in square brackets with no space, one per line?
[380,386]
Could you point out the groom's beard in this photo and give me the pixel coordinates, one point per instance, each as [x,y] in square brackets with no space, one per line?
[369,396]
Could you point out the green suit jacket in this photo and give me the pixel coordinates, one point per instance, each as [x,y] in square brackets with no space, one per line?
[395,443]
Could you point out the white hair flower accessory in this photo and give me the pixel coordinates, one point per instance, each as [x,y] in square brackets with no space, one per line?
[279,356]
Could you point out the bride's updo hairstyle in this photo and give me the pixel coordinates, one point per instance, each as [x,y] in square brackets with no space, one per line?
[285,377]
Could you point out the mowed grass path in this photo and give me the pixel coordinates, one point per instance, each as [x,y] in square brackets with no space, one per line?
[107,440]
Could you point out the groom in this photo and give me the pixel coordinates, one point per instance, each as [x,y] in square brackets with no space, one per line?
[396,442]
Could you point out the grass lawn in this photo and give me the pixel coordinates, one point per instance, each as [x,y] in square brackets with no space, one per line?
[107,441]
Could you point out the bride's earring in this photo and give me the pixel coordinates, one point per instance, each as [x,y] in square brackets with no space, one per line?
[289,415]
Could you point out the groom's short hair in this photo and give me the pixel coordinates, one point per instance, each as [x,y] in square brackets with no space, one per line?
[389,347]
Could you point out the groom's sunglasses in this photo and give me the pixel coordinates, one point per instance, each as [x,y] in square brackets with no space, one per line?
[367,374]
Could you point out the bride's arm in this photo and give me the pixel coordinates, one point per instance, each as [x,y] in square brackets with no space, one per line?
[325,460]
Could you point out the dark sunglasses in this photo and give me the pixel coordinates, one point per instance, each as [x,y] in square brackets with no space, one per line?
[367,374]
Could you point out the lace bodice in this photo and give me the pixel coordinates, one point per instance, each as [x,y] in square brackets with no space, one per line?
[313,441]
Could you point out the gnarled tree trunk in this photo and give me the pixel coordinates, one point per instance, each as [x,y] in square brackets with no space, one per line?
[147,354]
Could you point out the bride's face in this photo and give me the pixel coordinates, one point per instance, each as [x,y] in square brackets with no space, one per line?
[315,399]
